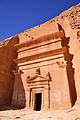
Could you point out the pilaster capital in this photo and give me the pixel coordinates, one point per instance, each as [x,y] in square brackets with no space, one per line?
[17,71]
[62,64]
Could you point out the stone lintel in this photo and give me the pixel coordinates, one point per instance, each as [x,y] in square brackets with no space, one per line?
[59,34]
[38,81]
[37,87]
[37,84]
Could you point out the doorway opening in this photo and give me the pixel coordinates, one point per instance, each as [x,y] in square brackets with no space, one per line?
[38,101]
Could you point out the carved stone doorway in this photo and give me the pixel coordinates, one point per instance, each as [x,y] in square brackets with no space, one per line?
[38,91]
[38,101]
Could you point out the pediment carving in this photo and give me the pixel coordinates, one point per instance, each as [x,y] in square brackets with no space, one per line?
[38,77]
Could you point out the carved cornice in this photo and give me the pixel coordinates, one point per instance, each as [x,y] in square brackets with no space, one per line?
[59,34]
[38,78]
[37,45]
[41,60]
[41,55]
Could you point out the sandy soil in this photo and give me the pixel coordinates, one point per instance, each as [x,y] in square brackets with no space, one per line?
[10,113]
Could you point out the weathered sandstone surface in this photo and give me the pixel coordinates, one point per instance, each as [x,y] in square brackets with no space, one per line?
[40,67]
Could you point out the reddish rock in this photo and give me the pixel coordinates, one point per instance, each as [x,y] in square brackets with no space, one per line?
[42,65]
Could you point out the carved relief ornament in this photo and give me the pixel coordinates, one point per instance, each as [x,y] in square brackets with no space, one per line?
[62,64]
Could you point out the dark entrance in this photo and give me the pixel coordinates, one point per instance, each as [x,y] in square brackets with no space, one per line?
[38,101]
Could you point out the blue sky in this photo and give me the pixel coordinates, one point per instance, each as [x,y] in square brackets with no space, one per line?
[19,15]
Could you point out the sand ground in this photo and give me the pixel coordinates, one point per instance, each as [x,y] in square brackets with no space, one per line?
[10,113]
